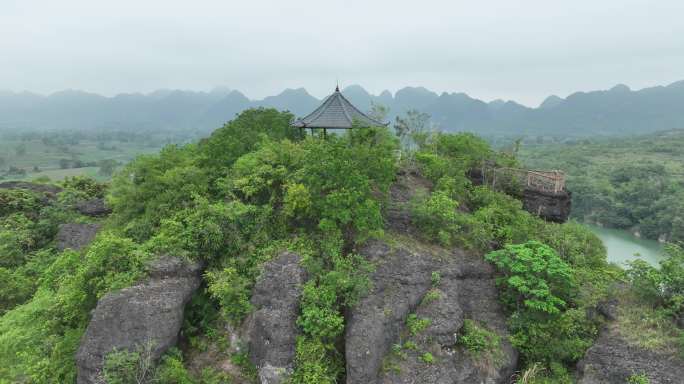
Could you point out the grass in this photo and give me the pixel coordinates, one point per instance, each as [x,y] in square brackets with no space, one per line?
[40,160]
[639,324]
[416,324]
[481,344]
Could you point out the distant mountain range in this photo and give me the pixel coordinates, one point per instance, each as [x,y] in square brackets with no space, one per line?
[617,111]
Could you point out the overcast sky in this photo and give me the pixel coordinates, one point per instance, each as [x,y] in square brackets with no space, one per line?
[520,50]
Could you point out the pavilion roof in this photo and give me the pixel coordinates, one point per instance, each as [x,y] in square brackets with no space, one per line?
[336,112]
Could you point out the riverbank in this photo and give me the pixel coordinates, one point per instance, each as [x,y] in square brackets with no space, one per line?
[622,246]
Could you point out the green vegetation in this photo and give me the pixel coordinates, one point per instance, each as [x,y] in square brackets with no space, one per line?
[255,188]
[435,278]
[478,340]
[432,295]
[664,286]
[655,298]
[481,344]
[427,358]
[535,277]
[56,155]
[124,367]
[416,324]
[638,378]
[629,183]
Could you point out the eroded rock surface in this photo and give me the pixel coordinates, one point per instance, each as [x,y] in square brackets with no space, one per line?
[272,327]
[93,207]
[549,206]
[76,235]
[398,212]
[402,278]
[612,360]
[149,313]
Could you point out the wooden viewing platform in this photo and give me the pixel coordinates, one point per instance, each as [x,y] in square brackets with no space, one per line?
[552,181]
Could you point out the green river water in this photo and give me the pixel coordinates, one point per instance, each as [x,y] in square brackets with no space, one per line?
[623,246]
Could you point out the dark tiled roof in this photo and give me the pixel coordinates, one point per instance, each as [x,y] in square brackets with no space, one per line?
[336,112]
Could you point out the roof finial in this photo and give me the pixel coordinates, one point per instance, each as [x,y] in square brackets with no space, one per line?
[337,85]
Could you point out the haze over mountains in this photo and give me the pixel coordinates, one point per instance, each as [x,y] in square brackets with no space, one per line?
[617,111]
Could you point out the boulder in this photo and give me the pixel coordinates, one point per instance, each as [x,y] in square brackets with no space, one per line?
[612,360]
[76,235]
[402,278]
[93,207]
[272,328]
[148,314]
[554,207]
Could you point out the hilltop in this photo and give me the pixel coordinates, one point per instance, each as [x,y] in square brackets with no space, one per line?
[259,254]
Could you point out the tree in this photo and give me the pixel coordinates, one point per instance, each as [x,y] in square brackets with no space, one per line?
[378,111]
[242,135]
[412,127]
[107,167]
[535,277]
[20,149]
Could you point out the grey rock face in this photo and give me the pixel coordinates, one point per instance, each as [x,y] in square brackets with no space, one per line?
[93,207]
[49,190]
[150,312]
[549,206]
[609,309]
[612,360]
[76,236]
[397,213]
[400,282]
[272,327]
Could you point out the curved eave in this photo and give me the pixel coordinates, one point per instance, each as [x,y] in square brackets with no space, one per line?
[336,112]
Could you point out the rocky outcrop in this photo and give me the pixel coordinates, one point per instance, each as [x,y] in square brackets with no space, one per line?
[76,235]
[147,314]
[93,207]
[402,279]
[549,206]
[272,327]
[47,189]
[398,212]
[612,360]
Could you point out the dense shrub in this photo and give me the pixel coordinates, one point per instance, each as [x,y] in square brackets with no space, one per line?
[243,134]
[480,343]
[316,362]
[232,291]
[39,339]
[535,277]
[664,286]
[89,187]
[253,189]
[437,217]
[18,200]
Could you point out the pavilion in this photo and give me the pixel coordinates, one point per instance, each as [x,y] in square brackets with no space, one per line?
[336,112]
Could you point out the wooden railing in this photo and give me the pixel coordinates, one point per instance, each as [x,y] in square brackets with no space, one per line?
[545,181]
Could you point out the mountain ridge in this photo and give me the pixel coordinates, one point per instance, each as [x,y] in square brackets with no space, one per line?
[615,111]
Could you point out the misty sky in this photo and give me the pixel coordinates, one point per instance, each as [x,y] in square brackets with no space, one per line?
[520,50]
